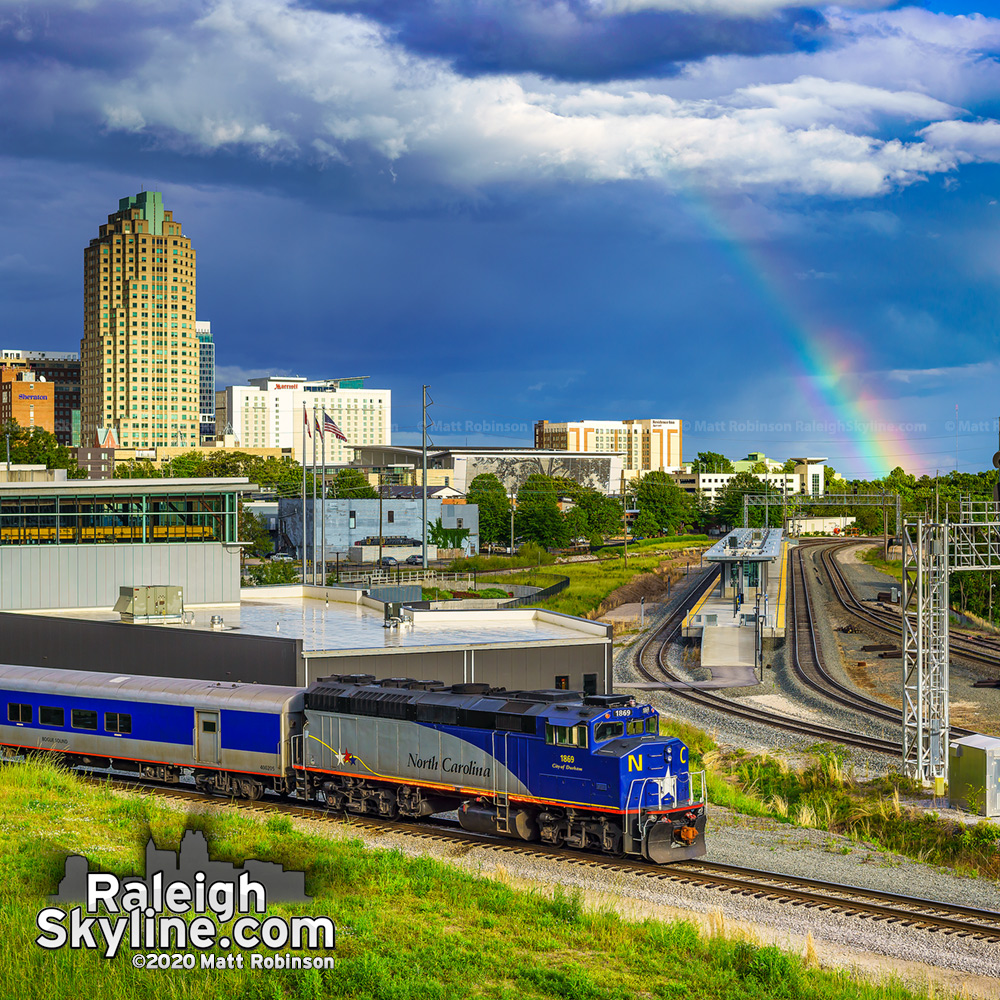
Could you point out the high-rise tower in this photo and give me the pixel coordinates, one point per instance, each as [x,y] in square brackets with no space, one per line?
[139,353]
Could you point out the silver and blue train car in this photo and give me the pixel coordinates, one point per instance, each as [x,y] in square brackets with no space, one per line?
[584,771]
[233,738]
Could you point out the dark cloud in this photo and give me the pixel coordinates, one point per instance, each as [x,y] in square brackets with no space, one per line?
[569,40]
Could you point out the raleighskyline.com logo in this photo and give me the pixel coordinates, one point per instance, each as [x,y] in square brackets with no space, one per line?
[184,902]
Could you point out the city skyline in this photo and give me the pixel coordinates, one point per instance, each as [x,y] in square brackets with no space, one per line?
[779,226]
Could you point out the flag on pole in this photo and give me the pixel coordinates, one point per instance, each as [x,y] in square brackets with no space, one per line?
[305,420]
[329,425]
[319,428]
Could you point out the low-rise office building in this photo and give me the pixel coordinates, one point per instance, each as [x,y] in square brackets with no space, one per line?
[809,477]
[457,467]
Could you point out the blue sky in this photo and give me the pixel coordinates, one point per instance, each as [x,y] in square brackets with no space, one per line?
[774,220]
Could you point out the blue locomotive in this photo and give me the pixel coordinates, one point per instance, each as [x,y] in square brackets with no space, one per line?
[584,771]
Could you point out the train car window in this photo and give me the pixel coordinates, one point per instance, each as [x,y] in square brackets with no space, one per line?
[118,722]
[566,736]
[635,727]
[48,716]
[608,731]
[18,713]
[207,727]
[653,725]
[83,718]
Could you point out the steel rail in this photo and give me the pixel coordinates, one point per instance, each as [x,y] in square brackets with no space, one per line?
[911,911]
[665,635]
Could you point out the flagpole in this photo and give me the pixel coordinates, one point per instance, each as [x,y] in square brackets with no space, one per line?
[305,426]
[313,540]
[322,509]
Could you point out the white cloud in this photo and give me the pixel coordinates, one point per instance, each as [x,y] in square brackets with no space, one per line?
[288,84]
[725,8]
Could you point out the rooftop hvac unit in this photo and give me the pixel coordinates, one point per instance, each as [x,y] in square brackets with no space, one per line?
[150,604]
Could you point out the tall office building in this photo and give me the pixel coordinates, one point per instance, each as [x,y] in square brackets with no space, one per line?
[206,379]
[62,368]
[139,355]
[648,445]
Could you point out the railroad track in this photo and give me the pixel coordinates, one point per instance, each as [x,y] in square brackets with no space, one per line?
[979,650]
[666,634]
[909,911]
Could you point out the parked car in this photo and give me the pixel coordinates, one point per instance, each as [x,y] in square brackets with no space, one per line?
[414,560]
[281,557]
[388,561]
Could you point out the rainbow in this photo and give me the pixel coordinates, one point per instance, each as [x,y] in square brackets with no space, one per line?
[823,359]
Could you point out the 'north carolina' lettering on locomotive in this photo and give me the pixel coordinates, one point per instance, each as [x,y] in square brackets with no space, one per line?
[450,766]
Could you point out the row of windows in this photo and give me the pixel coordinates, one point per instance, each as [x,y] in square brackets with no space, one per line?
[80,718]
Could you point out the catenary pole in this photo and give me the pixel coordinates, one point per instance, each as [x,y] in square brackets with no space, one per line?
[423,485]
[312,539]
[305,427]
[322,510]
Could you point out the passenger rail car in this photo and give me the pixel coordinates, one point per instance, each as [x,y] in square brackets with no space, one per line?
[232,738]
[584,771]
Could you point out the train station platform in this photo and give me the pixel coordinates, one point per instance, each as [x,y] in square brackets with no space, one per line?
[742,607]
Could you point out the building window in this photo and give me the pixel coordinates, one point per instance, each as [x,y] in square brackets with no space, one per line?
[562,682]
[352,519]
[392,516]
[589,684]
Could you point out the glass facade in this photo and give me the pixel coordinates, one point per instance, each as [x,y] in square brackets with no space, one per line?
[118,517]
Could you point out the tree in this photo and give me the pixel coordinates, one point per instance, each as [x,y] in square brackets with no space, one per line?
[267,573]
[604,515]
[137,468]
[35,446]
[729,502]
[487,492]
[538,518]
[789,467]
[253,531]
[645,526]
[351,484]
[657,495]
[712,461]
[760,468]
[576,523]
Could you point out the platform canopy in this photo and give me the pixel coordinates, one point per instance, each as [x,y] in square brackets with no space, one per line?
[747,545]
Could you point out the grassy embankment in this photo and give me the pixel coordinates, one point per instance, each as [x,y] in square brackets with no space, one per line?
[826,794]
[592,582]
[873,556]
[407,928]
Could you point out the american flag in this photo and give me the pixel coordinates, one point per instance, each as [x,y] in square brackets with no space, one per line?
[329,425]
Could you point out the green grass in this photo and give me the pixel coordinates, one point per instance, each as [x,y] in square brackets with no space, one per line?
[825,794]
[873,556]
[407,928]
[592,582]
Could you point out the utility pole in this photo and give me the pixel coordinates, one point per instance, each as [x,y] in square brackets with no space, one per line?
[625,517]
[8,454]
[512,522]
[380,539]
[305,428]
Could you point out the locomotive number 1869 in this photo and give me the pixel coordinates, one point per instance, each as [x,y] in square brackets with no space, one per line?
[567,758]
[622,711]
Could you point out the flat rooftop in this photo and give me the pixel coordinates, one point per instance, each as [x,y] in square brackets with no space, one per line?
[346,626]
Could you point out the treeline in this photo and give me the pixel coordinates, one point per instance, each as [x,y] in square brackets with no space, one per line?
[554,512]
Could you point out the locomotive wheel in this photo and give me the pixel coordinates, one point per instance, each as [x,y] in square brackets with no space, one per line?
[250,789]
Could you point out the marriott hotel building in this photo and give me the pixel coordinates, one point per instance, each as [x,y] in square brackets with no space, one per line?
[268,413]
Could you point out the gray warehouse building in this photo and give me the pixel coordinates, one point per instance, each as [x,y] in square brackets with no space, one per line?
[350,522]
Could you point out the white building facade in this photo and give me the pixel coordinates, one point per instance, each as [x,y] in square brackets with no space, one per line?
[809,477]
[268,413]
